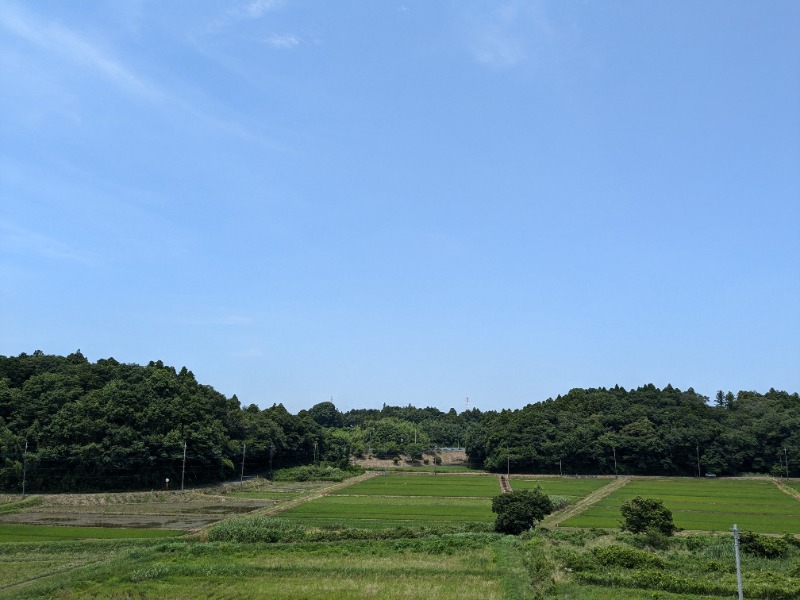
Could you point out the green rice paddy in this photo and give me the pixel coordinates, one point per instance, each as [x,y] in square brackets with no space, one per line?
[574,489]
[415,500]
[460,486]
[704,505]
[48,533]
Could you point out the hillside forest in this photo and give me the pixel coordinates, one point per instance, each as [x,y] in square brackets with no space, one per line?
[68,424]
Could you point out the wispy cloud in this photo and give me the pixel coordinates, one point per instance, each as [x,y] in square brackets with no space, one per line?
[21,240]
[284,42]
[512,34]
[67,45]
[257,8]
[72,47]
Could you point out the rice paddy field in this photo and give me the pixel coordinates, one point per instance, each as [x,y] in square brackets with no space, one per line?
[417,500]
[54,533]
[704,505]
[573,489]
[398,536]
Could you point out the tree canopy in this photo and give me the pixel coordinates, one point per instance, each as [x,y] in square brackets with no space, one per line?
[520,510]
[111,425]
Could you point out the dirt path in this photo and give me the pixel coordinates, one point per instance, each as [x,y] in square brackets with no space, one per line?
[271,512]
[786,489]
[505,484]
[584,503]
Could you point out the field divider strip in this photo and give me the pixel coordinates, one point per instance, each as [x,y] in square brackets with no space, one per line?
[271,512]
[585,502]
[786,489]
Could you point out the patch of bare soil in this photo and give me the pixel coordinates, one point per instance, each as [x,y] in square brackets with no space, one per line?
[153,510]
[448,457]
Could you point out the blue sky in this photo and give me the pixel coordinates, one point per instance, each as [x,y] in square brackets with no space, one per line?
[405,202]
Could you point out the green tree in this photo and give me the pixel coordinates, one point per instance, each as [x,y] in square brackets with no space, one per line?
[520,510]
[646,514]
[326,414]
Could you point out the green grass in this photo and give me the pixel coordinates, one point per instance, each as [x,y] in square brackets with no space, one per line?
[793,483]
[426,485]
[705,505]
[574,489]
[471,566]
[432,569]
[415,500]
[380,511]
[41,533]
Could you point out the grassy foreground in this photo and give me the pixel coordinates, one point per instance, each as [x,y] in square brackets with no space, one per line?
[410,536]
[580,565]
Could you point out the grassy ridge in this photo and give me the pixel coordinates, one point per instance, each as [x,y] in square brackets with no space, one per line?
[706,505]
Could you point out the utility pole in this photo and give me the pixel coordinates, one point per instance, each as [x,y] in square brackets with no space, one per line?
[508,463]
[24,468]
[560,472]
[738,562]
[315,452]
[786,462]
[271,450]
[244,449]
[615,461]
[183,468]
[698,460]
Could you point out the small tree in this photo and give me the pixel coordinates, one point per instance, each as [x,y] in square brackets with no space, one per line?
[520,510]
[643,514]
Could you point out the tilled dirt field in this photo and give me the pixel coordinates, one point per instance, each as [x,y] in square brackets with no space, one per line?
[189,510]
[193,514]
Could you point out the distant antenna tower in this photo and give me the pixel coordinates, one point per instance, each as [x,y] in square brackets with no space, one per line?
[467,404]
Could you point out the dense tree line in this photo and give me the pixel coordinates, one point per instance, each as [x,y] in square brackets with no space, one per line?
[646,431]
[69,424]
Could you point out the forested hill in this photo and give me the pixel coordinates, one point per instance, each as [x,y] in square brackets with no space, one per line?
[68,424]
[110,425]
[649,431]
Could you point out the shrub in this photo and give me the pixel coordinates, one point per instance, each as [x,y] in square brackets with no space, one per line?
[630,558]
[651,538]
[791,540]
[717,566]
[577,561]
[254,529]
[760,545]
[641,514]
[316,473]
[520,510]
